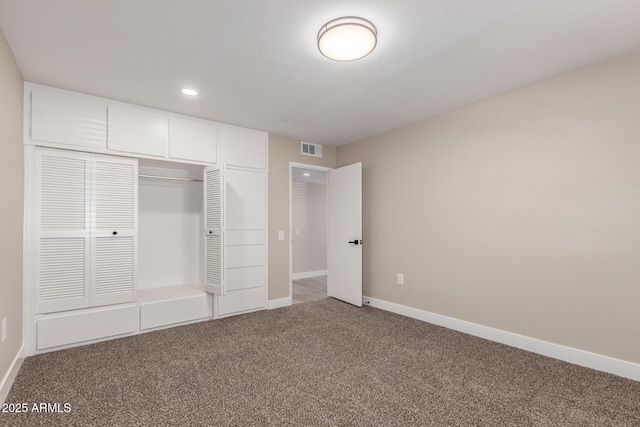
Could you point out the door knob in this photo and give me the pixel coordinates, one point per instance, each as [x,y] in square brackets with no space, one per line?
[356,242]
[115,233]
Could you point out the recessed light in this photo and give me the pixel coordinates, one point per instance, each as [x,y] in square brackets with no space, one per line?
[306,174]
[189,92]
[347,38]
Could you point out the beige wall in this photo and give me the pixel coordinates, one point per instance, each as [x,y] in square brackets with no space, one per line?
[520,213]
[11,207]
[283,150]
[310,222]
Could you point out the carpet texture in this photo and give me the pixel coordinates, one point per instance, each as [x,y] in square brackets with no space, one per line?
[321,363]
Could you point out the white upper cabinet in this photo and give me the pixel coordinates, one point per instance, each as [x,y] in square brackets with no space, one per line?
[138,131]
[195,140]
[66,118]
[62,119]
[243,147]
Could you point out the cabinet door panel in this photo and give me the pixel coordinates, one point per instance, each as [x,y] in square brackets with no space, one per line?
[63,191]
[115,194]
[245,194]
[63,230]
[243,147]
[113,270]
[214,230]
[68,119]
[138,131]
[114,237]
[62,273]
[193,140]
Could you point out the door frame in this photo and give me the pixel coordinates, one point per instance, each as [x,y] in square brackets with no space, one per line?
[297,165]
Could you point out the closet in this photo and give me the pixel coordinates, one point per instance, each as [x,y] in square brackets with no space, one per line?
[170,263]
[137,219]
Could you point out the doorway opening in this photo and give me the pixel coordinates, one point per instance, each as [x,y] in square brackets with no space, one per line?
[308,228]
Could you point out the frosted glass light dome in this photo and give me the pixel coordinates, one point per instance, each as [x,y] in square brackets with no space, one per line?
[347,39]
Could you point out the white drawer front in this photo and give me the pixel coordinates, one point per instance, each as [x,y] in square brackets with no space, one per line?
[243,300]
[163,313]
[86,325]
[245,256]
[245,237]
[245,278]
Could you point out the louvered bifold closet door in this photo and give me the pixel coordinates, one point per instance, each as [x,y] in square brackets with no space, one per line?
[114,240]
[63,231]
[214,230]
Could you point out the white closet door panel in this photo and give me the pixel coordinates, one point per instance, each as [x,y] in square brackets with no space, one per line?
[242,301]
[68,119]
[213,198]
[114,270]
[115,194]
[245,237]
[245,256]
[62,191]
[245,197]
[193,140]
[138,131]
[243,147]
[245,278]
[213,273]
[214,231]
[62,273]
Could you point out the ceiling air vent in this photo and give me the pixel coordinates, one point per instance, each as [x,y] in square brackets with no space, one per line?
[309,149]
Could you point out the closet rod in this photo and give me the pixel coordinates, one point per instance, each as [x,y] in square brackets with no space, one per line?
[169,177]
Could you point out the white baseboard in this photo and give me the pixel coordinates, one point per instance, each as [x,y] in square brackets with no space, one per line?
[278,303]
[11,374]
[568,354]
[308,274]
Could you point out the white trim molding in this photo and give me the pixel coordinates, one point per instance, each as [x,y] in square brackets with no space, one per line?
[11,374]
[278,303]
[576,356]
[308,274]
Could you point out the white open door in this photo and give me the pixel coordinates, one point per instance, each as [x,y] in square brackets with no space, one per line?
[344,242]
[214,230]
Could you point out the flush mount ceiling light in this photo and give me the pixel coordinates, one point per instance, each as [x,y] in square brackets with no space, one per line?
[189,92]
[347,39]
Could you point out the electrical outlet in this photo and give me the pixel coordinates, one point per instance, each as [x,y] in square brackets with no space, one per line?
[4,329]
[400,279]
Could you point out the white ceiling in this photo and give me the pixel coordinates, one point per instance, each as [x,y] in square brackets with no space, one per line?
[256,64]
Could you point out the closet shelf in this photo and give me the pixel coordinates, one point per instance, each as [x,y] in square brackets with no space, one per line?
[172,178]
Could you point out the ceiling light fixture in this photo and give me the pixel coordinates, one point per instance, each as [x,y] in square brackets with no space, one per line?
[189,92]
[347,38]
[306,174]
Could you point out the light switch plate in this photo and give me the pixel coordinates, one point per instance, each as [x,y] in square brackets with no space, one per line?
[280,235]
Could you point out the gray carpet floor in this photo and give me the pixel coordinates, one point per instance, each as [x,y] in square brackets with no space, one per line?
[321,363]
